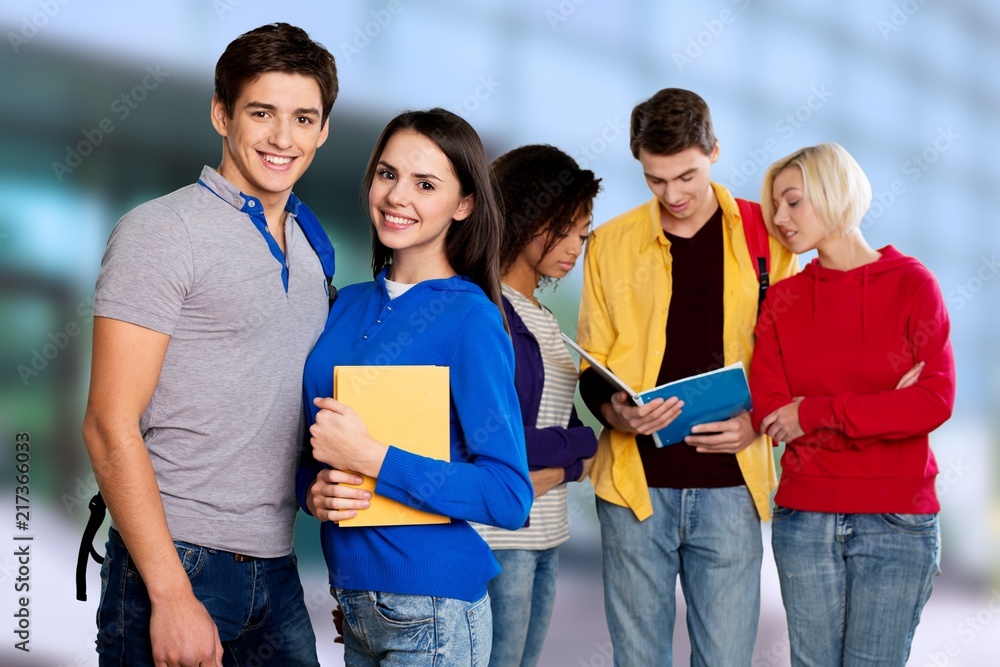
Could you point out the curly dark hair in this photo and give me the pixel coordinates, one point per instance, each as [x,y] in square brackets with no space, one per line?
[541,189]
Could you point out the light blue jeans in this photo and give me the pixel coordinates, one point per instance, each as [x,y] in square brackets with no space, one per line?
[393,630]
[854,584]
[522,597]
[711,539]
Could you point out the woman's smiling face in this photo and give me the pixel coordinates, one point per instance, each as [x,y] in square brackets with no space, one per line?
[415,195]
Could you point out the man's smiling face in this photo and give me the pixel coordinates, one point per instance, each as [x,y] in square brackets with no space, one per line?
[273,134]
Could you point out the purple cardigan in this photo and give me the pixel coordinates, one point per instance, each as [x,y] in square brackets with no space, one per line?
[553,446]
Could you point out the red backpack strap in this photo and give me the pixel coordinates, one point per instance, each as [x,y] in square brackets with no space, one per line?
[757,243]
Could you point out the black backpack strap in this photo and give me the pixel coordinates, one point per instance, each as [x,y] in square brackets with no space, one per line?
[98,510]
[764,281]
[758,244]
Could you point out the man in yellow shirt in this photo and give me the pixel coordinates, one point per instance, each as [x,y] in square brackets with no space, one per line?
[670,291]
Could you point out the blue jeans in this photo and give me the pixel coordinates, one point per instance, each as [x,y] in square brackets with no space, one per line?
[256,604]
[854,585]
[711,539]
[522,597]
[394,630]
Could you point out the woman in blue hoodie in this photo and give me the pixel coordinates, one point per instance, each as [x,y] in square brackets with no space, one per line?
[417,594]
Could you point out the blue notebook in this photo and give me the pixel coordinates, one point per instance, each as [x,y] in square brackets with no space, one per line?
[709,397]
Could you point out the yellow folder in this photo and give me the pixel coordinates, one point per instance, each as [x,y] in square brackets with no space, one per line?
[404,406]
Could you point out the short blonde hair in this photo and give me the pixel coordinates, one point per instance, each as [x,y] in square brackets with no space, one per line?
[833,181]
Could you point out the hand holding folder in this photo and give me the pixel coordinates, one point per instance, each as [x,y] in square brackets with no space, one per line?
[404,406]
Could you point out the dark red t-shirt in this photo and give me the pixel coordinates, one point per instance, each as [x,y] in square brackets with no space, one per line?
[694,345]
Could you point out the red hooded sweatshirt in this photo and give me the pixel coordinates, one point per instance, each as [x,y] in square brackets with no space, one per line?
[842,340]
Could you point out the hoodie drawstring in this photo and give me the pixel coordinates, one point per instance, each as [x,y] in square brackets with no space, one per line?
[815,283]
[864,303]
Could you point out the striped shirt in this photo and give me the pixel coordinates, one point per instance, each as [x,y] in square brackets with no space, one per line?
[549,523]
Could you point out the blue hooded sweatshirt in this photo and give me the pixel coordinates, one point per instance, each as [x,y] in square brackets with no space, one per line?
[444,322]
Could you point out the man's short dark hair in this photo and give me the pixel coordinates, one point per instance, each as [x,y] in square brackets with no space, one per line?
[671,121]
[277,47]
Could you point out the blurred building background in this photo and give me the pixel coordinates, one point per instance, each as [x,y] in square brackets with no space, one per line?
[105,104]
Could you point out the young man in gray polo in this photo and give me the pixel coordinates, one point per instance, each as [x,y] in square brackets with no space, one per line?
[208,301]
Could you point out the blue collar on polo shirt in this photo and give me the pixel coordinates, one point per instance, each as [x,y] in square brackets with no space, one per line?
[218,185]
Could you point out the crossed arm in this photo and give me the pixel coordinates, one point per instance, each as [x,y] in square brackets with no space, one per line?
[783,424]
[920,401]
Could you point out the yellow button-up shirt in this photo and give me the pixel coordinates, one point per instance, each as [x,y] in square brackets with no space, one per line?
[623,324]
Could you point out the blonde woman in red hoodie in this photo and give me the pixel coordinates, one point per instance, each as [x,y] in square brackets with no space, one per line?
[853,368]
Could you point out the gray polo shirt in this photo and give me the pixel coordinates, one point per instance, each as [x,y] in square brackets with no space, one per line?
[226,424]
